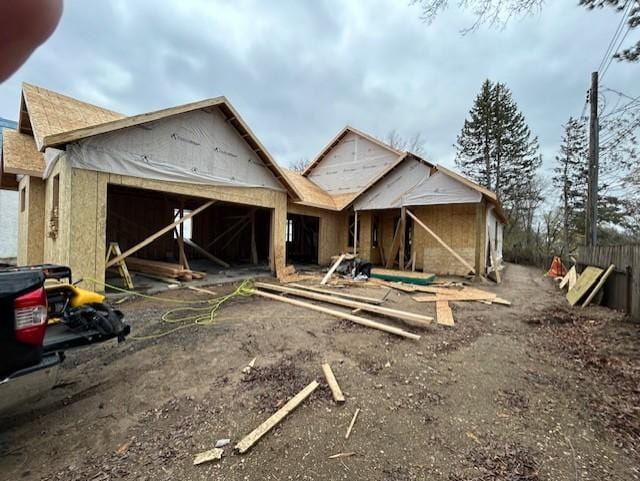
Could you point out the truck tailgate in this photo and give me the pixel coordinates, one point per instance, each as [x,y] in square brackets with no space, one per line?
[59,337]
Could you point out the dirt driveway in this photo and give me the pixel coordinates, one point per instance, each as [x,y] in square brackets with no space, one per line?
[528,392]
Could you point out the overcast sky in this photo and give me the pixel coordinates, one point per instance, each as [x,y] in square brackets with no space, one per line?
[299,71]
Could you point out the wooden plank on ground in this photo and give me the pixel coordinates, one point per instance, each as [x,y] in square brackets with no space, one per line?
[599,285]
[353,421]
[441,242]
[570,279]
[340,315]
[158,234]
[333,384]
[208,456]
[248,441]
[409,317]
[585,282]
[370,300]
[335,265]
[394,285]
[444,315]
[205,253]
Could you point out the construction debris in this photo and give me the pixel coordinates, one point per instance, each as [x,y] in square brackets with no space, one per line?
[599,285]
[341,455]
[408,317]
[340,315]
[164,269]
[444,313]
[353,421]
[208,456]
[221,443]
[248,441]
[247,369]
[408,277]
[570,279]
[370,300]
[333,384]
[335,265]
[585,282]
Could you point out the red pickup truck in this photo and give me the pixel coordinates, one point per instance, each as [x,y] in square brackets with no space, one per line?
[43,315]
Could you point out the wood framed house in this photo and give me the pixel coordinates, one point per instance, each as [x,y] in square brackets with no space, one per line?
[88,177]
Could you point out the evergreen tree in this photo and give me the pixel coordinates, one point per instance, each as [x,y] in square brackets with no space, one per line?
[569,178]
[496,148]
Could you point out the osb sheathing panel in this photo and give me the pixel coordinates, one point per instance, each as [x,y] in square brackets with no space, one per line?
[453,223]
[20,154]
[56,250]
[31,221]
[332,235]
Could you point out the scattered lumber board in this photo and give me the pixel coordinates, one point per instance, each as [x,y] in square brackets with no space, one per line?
[340,315]
[569,279]
[335,265]
[208,456]
[370,300]
[159,268]
[405,316]
[333,384]
[584,283]
[408,277]
[599,285]
[248,441]
[444,315]
[393,285]
[353,421]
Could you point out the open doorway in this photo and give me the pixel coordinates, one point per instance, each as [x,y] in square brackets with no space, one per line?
[302,238]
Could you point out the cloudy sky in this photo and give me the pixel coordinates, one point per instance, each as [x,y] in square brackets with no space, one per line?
[299,71]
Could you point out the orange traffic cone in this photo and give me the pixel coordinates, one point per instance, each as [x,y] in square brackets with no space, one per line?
[557,269]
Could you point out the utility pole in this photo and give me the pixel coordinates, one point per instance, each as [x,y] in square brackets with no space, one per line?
[594,147]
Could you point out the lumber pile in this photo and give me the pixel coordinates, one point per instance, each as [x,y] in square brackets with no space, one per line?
[586,287]
[163,269]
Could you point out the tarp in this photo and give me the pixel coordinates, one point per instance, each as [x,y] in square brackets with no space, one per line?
[195,147]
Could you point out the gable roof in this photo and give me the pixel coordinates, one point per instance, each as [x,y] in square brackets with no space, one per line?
[44,113]
[20,154]
[55,119]
[336,140]
[489,195]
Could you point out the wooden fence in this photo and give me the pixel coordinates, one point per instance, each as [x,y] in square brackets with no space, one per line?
[622,290]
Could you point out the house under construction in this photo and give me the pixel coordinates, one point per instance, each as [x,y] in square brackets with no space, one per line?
[88,178]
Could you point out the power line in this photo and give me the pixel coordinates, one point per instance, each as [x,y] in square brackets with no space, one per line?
[625,17]
[608,51]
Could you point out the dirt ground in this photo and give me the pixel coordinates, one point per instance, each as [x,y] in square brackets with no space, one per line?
[535,391]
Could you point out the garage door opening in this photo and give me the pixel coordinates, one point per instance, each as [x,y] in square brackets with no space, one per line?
[221,237]
[302,239]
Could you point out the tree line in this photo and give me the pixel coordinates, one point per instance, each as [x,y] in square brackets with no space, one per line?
[547,213]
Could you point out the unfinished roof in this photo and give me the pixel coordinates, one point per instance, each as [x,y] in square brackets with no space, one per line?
[20,155]
[310,193]
[45,113]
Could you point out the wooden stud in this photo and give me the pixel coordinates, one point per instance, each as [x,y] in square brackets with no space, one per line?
[158,234]
[235,225]
[441,242]
[254,249]
[335,265]
[340,315]
[395,246]
[494,259]
[333,384]
[478,246]
[409,317]
[403,223]
[248,441]
[206,254]
[370,300]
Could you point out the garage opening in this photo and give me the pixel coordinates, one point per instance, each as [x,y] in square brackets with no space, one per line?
[302,239]
[222,237]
